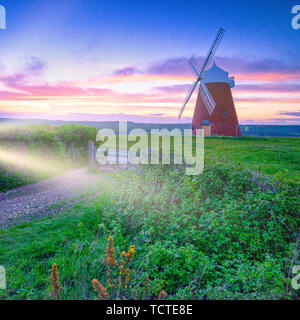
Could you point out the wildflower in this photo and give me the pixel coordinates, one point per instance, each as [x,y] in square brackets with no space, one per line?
[116,284]
[162,295]
[102,292]
[123,253]
[110,261]
[110,252]
[131,253]
[56,287]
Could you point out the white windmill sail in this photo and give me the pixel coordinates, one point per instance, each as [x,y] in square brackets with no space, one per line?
[194,85]
[212,50]
[207,98]
[195,66]
[205,94]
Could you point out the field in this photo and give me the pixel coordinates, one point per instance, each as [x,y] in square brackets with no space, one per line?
[279,157]
[229,233]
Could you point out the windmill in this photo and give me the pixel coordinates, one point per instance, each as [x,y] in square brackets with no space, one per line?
[214,107]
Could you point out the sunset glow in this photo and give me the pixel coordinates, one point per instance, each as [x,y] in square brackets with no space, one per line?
[86,80]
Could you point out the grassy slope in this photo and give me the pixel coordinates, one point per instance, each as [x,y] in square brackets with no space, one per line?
[76,240]
[274,156]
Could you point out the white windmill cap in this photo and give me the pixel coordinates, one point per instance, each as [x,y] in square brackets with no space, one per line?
[216,74]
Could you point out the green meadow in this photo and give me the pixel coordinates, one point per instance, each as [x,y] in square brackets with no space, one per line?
[278,157]
[230,233]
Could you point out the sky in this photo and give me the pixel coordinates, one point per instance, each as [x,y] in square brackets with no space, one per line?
[128,60]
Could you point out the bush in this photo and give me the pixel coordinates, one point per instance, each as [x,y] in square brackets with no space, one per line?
[218,235]
[66,145]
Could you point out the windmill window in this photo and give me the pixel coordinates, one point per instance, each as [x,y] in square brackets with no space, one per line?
[225,114]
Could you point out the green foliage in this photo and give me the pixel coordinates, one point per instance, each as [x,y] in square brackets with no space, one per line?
[229,233]
[225,234]
[66,144]
[10,179]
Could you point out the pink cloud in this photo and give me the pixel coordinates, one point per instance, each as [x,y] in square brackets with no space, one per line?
[269,87]
[28,86]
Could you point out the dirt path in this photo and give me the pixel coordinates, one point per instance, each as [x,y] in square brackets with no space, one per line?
[47,197]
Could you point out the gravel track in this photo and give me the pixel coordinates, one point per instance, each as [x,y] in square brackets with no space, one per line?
[47,197]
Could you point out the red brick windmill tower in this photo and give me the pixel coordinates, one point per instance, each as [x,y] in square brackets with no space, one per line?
[215,110]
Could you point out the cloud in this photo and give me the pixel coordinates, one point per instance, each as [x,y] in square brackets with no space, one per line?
[99,91]
[177,66]
[8,95]
[13,80]
[20,82]
[246,65]
[178,88]
[286,120]
[287,113]
[272,70]
[180,66]
[267,99]
[155,97]
[35,66]
[126,71]
[127,117]
[269,87]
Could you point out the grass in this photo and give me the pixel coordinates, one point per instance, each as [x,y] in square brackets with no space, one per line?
[230,233]
[34,254]
[279,157]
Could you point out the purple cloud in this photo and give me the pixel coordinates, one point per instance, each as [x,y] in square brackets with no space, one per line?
[35,66]
[287,113]
[243,65]
[126,71]
[286,120]
[13,80]
[278,87]
[180,66]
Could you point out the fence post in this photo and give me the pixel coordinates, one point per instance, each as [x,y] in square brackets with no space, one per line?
[92,154]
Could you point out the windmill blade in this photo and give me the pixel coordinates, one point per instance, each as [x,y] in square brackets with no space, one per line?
[212,50]
[194,85]
[207,98]
[195,66]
